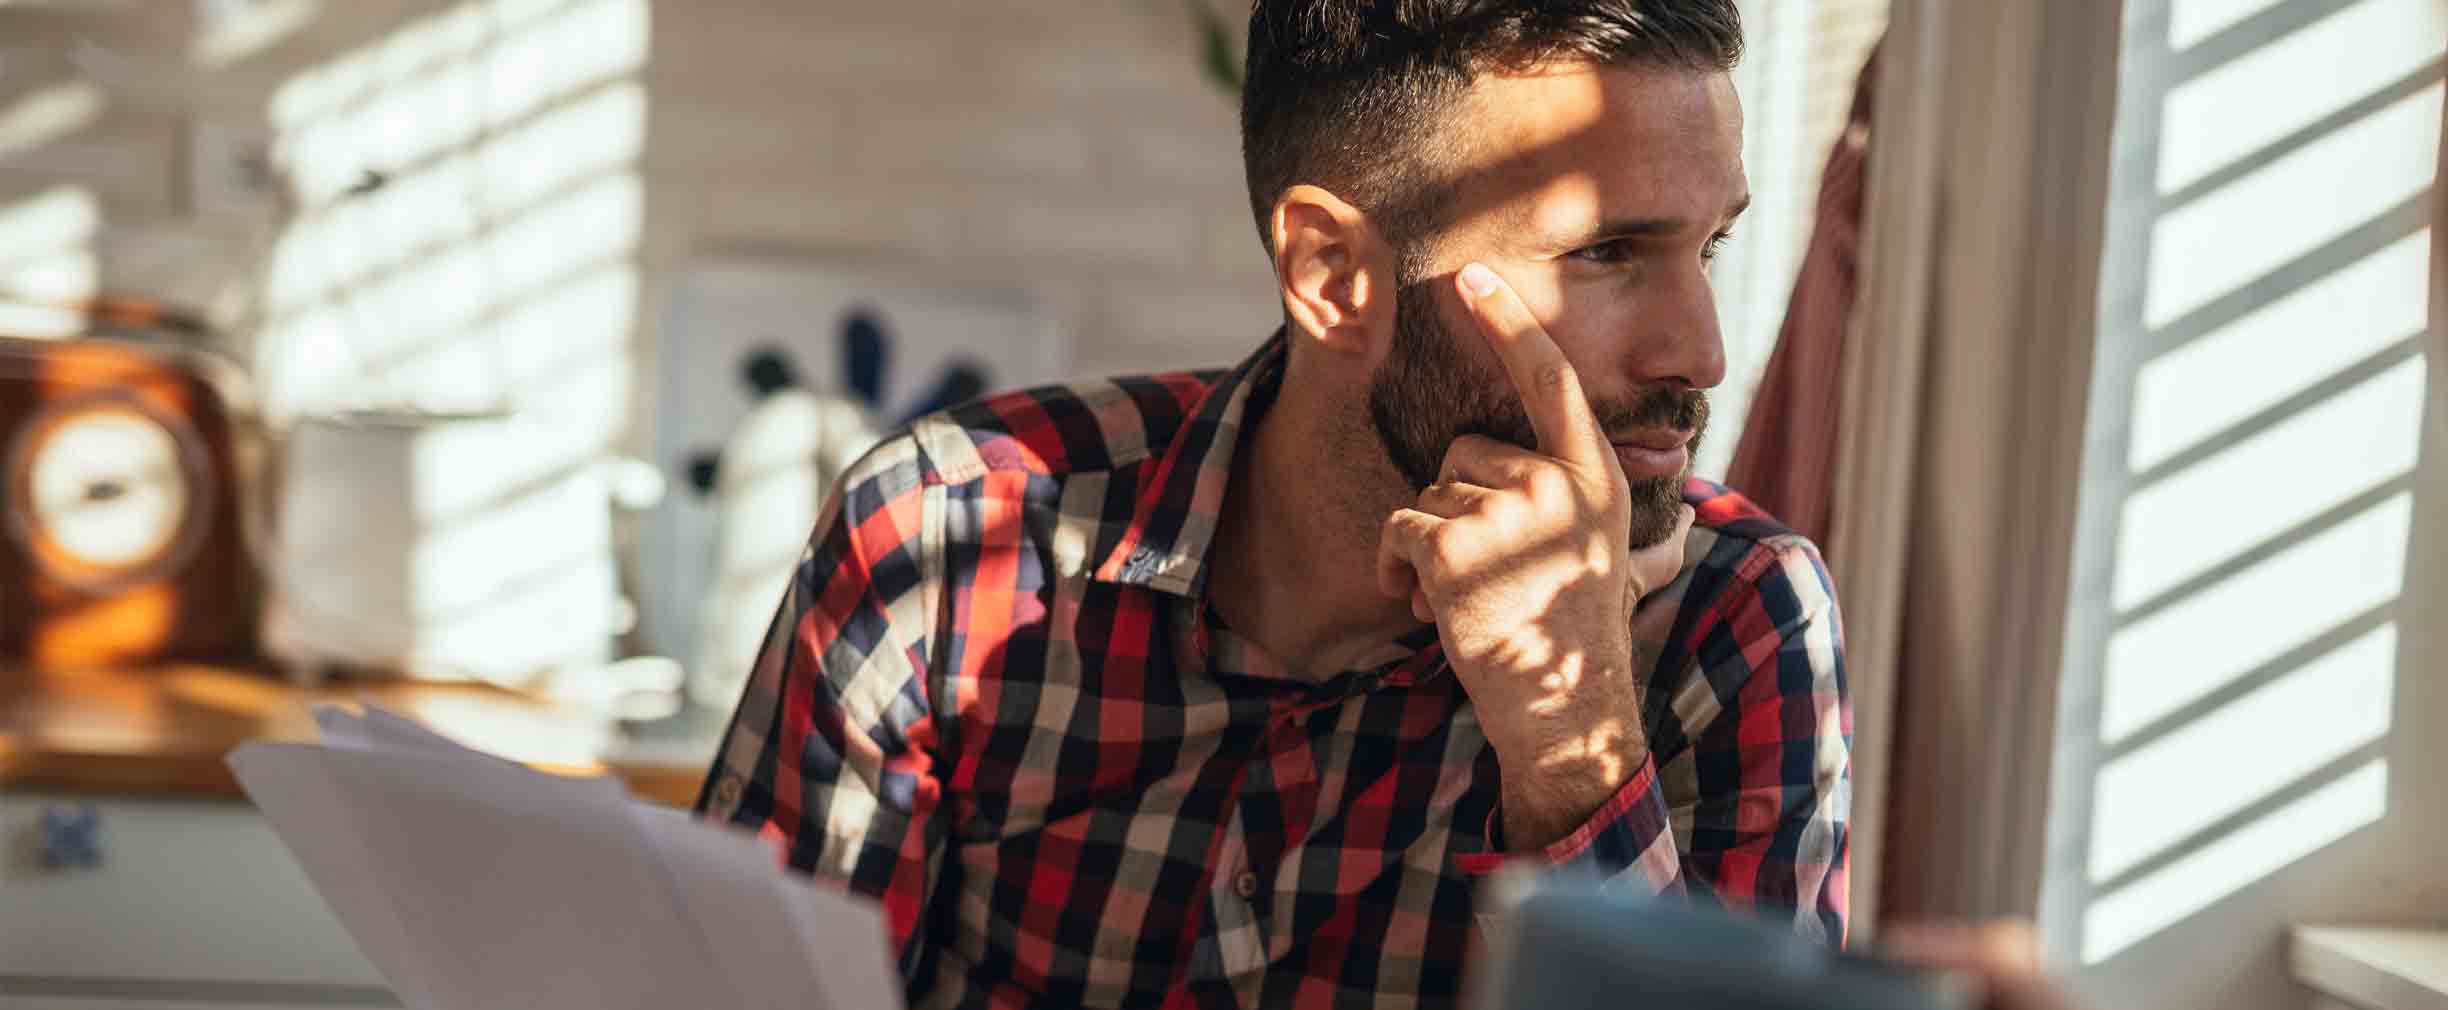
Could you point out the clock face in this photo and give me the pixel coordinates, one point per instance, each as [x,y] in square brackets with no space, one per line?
[107,493]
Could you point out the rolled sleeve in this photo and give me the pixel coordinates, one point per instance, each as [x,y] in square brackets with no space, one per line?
[1629,839]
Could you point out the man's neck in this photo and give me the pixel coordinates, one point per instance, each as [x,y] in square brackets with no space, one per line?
[1293,566]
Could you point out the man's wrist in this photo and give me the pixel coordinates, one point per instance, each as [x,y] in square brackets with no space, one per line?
[1573,752]
[1545,799]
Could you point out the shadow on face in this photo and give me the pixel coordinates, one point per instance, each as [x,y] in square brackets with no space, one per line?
[1600,195]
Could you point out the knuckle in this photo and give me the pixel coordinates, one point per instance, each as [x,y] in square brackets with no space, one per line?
[1556,377]
[1399,531]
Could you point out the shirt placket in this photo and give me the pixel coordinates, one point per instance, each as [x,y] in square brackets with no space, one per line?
[1240,934]
[1239,901]
[1230,950]
[1286,777]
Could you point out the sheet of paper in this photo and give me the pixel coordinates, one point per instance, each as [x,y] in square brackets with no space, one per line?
[474,882]
[517,890]
[287,783]
[378,729]
[729,882]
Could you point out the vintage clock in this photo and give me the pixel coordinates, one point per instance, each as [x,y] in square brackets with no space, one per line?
[120,525]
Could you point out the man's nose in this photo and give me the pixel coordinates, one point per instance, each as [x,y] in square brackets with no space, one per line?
[1681,341]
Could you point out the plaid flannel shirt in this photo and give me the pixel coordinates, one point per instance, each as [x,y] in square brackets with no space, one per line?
[995,700]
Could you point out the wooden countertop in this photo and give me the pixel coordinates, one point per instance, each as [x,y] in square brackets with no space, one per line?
[166,730]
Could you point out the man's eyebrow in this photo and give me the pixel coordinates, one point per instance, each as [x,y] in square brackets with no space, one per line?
[1616,229]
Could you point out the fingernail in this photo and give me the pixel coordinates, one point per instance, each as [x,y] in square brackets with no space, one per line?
[1480,280]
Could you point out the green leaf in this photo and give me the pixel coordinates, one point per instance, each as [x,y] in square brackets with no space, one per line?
[1219,59]
[1223,65]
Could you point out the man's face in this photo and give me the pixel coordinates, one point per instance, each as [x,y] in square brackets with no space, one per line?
[1598,194]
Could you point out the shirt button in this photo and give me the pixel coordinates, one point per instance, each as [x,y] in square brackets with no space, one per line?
[1246,885]
[727,792]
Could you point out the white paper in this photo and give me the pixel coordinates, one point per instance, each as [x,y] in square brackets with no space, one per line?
[380,729]
[473,883]
[311,820]
[725,881]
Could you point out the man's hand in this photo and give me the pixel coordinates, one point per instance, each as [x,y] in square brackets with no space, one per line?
[2005,956]
[1522,560]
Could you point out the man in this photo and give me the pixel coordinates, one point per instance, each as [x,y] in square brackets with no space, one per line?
[1224,689]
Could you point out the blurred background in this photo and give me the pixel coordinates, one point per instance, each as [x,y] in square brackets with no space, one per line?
[489,360]
[595,214]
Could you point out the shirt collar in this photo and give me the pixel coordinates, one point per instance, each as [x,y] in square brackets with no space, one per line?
[1174,521]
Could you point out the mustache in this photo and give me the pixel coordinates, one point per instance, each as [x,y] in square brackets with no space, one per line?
[1669,407]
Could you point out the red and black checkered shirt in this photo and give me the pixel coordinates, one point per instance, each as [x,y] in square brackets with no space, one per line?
[995,700]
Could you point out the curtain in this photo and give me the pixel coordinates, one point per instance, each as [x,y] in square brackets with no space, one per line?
[1959,438]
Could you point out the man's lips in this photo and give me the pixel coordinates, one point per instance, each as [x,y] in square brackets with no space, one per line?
[1653,454]
[1654,440]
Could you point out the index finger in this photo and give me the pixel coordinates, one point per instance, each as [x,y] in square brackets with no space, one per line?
[1550,389]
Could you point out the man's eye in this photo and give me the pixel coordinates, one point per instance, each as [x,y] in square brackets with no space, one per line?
[1615,251]
[1716,244]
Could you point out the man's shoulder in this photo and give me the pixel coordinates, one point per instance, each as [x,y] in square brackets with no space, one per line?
[1053,431]
[1734,536]
[1732,515]
[1751,586]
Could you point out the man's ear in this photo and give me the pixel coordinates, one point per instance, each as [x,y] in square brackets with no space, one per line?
[1335,270]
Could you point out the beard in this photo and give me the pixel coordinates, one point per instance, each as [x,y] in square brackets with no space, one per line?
[1429,393]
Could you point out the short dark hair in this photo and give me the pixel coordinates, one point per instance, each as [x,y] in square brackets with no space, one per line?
[1347,94]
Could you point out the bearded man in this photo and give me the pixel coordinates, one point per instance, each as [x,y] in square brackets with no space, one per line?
[1227,689]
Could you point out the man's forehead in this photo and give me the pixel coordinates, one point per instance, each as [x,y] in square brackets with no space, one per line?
[1634,139]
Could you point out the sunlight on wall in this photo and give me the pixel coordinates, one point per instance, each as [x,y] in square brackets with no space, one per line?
[2219,117]
[2191,21]
[47,114]
[467,215]
[2204,641]
[2249,494]
[492,265]
[2361,313]
[2221,763]
[47,258]
[233,30]
[2250,659]
[2337,809]
[2291,206]
[439,86]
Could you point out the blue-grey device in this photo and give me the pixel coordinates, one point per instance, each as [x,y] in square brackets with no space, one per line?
[1563,944]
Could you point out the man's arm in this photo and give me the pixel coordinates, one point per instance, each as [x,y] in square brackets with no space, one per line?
[1523,559]
[831,754]
[1761,729]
